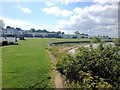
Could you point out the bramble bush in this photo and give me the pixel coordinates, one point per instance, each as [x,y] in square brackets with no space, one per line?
[96,40]
[117,42]
[92,68]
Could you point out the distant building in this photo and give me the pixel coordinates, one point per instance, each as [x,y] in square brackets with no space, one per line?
[19,33]
[82,36]
[11,31]
[68,36]
[38,34]
[7,37]
[105,38]
[27,33]
[52,34]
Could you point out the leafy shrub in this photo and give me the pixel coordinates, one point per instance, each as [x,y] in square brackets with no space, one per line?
[92,68]
[54,50]
[117,42]
[96,40]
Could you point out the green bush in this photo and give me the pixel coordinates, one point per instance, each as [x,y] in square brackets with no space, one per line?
[92,68]
[96,40]
[55,51]
[117,42]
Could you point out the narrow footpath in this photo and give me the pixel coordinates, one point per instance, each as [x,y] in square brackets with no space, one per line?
[58,79]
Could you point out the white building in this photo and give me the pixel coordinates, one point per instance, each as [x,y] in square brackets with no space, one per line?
[38,34]
[11,31]
[7,36]
[82,35]
[67,35]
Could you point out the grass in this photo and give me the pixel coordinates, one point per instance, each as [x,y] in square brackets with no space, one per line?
[28,65]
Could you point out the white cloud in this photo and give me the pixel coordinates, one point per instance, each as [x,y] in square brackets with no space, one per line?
[66,2]
[26,25]
[14,22]
[57,11]
[105,1]
[97,19]
[25,10]
[50,4]
[18,23]
[52,10]
[65,13]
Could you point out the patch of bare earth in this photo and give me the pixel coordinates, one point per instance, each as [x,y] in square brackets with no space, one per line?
[58,79]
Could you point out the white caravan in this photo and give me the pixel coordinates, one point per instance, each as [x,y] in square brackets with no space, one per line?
[7,38]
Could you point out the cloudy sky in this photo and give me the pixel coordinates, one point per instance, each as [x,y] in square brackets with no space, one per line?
[86,16]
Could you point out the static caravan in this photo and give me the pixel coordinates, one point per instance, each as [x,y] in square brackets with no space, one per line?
[7,38]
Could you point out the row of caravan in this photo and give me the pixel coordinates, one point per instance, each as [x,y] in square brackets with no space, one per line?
[7,39]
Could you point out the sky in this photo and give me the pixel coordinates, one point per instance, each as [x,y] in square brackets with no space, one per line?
[94,17]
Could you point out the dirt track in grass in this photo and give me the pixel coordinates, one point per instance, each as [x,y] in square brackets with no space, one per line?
[58,79]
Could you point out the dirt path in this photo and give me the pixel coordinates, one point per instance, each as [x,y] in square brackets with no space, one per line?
[58,79]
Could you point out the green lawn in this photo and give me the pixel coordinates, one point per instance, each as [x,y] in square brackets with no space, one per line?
[26,65]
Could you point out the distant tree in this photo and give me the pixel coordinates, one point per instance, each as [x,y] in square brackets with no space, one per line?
[59,32]
[32,29]
[63,33]
[38,30]
[53,32]
[8,27]
[45,31]
[83,34]
[76,32]
[17,28]
[12,27]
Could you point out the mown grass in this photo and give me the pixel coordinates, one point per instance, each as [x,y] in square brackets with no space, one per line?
[28,65]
